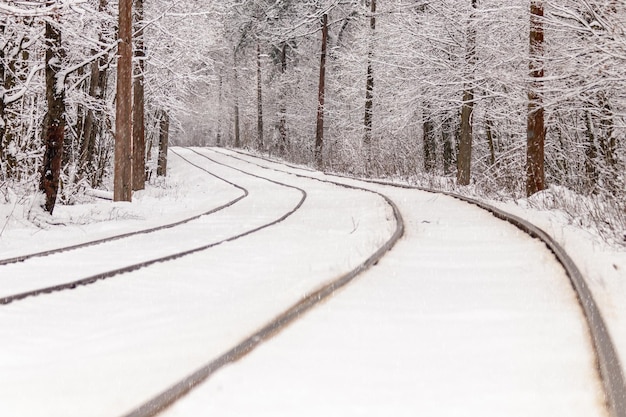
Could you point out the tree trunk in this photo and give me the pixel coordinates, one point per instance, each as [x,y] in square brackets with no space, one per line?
[259,98]
[139,130]
[369,84]
[122,182]
[218,136]
[535,176]
[282,124]
[164,128]
[464,159]
[492,148]
[591,153]
[448,148]
[237,130]
[97,90]
[319,131]
[54,121]
[429,144]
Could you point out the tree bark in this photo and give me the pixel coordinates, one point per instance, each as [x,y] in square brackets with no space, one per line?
[139,130]
[429,144]
[319,131]
[236,109]
[259,98]
[282,123]
[122,182]
[164,127]
[54,121]
[218,136]
[464,159]
[369,84]
[535,130]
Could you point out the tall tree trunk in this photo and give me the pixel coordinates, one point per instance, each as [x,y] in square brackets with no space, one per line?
[54,121]
[319,131]
[97,89]
[218,136]
[164,128]
[139,128]
[492,148]
[429,144]
[282,123]
[447,133]
[3,121]
[464,159]
[369,84]
[237,129]
[259,98]
[591,152]
[535,130]
[122,181]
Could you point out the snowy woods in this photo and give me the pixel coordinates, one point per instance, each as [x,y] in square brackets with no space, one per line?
[446,93]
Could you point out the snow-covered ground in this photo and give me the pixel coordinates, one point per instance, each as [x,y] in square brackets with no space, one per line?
[465,316]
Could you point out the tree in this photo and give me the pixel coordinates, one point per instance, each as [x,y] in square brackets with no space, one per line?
[54,122]
[535,176]
[139,135]
[122,190]
[369,84]
[319,130]
[464,158]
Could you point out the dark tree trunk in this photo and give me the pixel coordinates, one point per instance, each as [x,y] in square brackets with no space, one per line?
[54,121]
[464,159]
[492,148]
[369,84]
[535,176]
[319,131]
[164,128]
[139,130]
[122,182]
[429,144]
[237,130]
[591,152]
[259,98]
[448,148]
[218,136]
[97,89]
[3,120]
[282,124]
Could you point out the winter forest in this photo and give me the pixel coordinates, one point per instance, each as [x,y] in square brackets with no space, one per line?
[501,99]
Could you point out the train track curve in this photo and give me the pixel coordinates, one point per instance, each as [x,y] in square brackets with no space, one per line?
[608,362]
[7,299]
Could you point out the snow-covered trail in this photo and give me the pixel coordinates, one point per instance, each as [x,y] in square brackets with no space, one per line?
[103,349]
[465,316]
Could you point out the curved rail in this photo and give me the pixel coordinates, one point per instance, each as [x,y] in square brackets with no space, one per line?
[109,274]
[308,302]
[607,360]
[23,258]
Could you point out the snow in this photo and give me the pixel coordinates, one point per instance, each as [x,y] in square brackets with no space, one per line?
[465,316]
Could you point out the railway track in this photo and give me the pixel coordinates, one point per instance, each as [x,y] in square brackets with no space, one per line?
[109,273]
[609,368]
[25,257]
[608,363]
[314,292]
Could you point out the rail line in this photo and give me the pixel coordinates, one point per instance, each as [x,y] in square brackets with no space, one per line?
[166,398]
[608,363]
[94,242]
[114,272]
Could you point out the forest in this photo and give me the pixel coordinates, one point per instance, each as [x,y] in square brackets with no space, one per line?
[499,99]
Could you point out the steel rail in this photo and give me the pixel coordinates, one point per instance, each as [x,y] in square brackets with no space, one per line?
[607,360]
[169,396]
[94,242]
[112,273]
